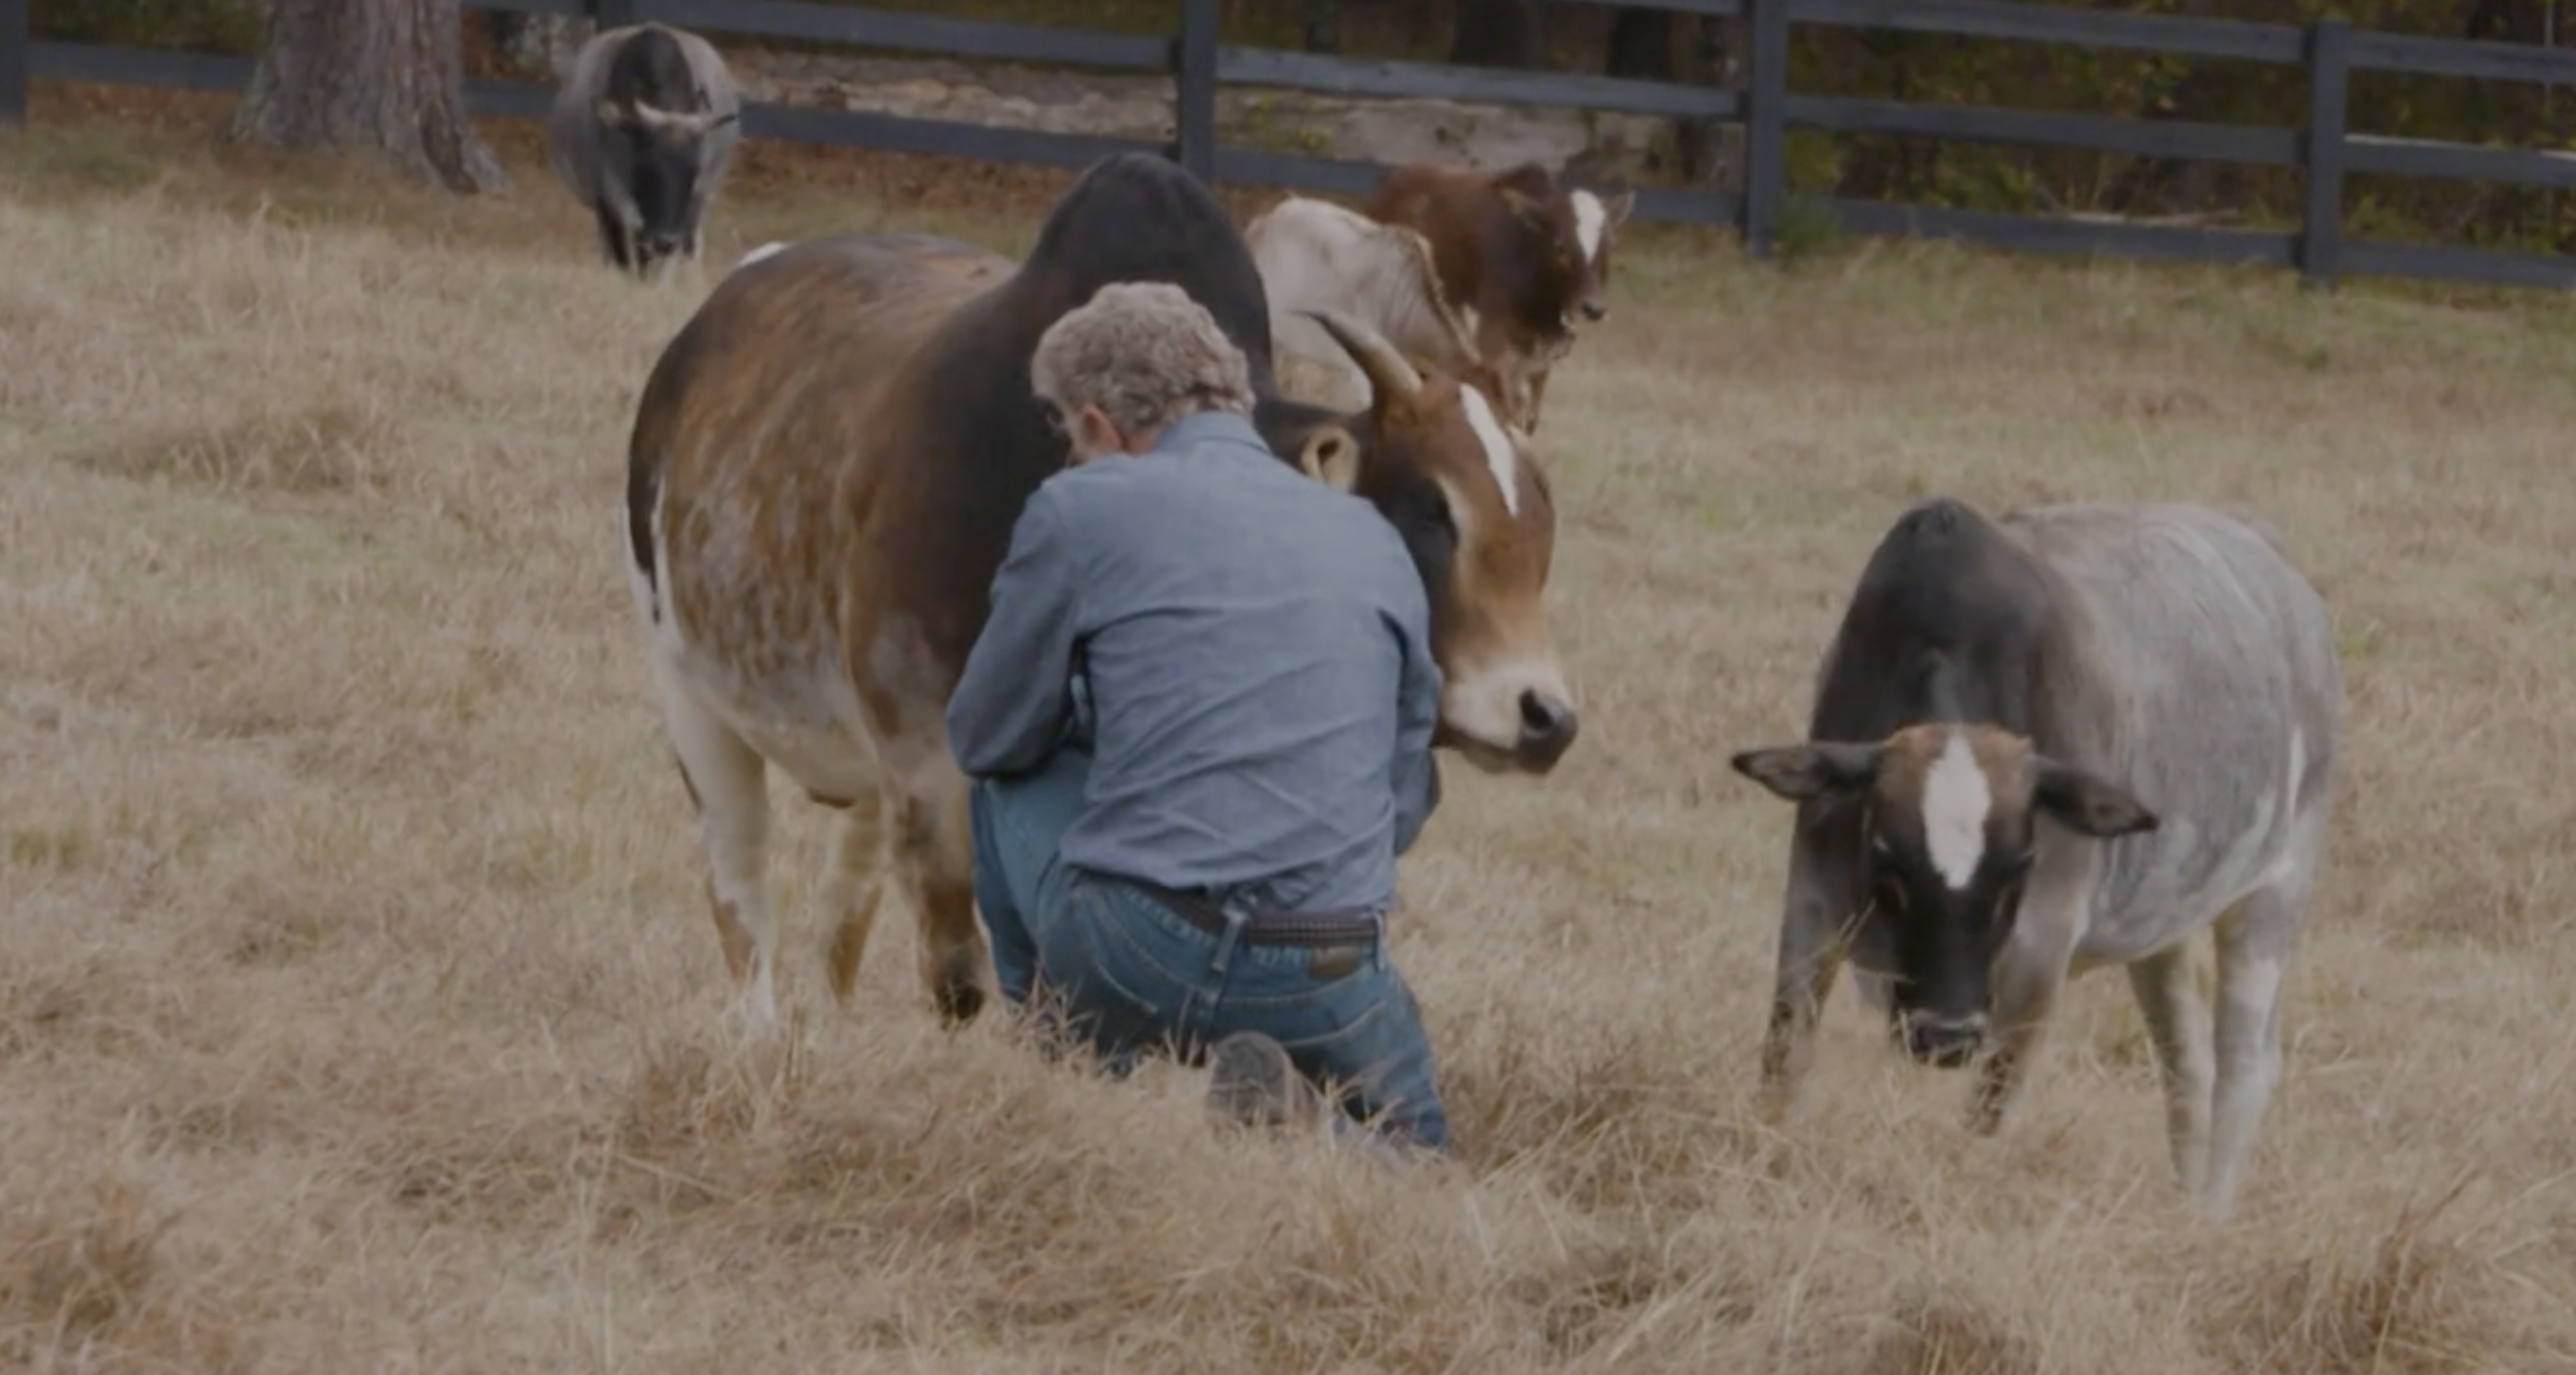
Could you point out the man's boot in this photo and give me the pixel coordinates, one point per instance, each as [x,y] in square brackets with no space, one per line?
[1252,1083]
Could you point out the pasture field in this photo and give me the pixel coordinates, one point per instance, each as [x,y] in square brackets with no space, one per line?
[359,1003]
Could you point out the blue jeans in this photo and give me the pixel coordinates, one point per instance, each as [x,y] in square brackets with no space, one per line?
[1123,972]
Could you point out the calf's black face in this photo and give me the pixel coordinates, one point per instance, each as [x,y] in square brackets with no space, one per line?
[1948,828]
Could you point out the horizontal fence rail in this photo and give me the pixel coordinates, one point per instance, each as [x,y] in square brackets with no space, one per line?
[1199,65]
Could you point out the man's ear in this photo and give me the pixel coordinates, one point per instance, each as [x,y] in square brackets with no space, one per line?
[1803,773]
[1092,429]
[2086,803]
[1330,456]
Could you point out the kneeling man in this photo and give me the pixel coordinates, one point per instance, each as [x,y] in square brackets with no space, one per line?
[1199,719]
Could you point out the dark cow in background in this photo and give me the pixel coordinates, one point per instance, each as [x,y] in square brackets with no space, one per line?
[824,472]
[1521,259]
[641,131]
[2069,738]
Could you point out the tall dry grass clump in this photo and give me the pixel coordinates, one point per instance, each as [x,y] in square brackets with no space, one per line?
[360,1007]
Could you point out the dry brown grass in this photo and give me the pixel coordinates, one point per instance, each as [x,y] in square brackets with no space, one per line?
[359,1010]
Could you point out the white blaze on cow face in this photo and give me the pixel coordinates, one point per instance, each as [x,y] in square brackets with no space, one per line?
[1498,445]
[1956,800]
[1591,218]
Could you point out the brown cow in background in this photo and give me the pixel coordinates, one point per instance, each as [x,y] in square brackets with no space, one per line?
[1521,259]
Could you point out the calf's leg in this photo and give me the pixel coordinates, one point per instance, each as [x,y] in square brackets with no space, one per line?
[614,242]
[2027,981]
[1815,907]
[2254,944]
[2168,991]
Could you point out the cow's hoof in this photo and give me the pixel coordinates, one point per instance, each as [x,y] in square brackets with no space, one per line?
[959,1002]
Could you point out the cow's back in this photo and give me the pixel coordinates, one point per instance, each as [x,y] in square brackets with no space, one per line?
[2197,669]
[722,95]
[1314,255]
[572,121]
[1451,209]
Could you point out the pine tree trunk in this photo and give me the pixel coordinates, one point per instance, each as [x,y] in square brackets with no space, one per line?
[385,75]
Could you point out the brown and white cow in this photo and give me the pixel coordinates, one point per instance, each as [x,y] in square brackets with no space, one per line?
[2073,737]
[824,471]
[1522,259]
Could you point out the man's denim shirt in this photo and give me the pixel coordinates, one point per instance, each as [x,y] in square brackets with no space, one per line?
[1258,662]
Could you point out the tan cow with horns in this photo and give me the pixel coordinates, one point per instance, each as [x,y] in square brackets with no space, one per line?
[825,467]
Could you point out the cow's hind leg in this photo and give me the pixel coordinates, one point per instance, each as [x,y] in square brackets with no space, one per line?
[2168,989]
[931,837]
[852,889]
[727,780]
[2254,944]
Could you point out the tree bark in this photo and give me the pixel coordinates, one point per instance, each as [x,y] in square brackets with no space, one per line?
[382,75]
[1496,33]
[541,46]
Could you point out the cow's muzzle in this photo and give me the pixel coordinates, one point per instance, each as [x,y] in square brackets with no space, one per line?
[1595,309]
[1942,1042]
[1548,727]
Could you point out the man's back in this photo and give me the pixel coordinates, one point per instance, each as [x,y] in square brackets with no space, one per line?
[1245,638]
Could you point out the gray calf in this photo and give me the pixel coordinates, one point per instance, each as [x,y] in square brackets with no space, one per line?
[2069,738]
[642,130]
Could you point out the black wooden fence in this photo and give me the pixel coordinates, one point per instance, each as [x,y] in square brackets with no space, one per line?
[1199,62]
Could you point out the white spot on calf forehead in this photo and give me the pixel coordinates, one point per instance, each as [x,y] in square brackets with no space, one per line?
[1590,219]
[1498,445]
[1956,798]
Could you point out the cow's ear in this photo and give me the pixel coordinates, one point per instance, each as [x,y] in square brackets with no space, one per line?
[1618,207]
[1803,773]
[2087,803]
[1331,456]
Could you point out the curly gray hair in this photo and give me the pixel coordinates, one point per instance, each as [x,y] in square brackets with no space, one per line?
[1144,353]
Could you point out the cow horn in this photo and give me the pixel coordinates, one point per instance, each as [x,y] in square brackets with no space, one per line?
[1386,369]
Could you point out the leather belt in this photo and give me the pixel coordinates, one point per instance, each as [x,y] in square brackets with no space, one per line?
[1328,927]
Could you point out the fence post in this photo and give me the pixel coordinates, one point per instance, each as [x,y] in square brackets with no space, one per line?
[1194,89]
[2321,153]
[17,49]
[1766,98]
